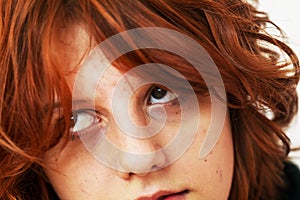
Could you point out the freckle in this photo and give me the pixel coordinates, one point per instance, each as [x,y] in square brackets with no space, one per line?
[217,171]
[221,175]
[205,160]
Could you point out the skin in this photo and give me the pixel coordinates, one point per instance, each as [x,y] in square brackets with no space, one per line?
[76,174]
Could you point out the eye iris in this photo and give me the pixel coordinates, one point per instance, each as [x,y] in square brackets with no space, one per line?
[73,120]
[158,92]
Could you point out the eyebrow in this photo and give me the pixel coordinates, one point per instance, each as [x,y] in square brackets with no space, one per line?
[81,101]
[58,105]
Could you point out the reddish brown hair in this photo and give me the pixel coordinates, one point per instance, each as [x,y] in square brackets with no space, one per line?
[232,31]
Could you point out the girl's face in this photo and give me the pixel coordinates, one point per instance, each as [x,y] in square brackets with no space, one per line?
[76,173]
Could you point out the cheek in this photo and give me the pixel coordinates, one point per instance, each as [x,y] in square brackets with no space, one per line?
[221,161]
[73,173]
[213,173]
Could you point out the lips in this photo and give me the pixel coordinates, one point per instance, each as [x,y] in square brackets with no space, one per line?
[166,195]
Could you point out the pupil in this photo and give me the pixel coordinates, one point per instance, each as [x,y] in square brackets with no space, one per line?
[158,92]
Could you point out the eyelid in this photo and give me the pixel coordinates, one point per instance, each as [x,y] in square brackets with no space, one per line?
[83,105]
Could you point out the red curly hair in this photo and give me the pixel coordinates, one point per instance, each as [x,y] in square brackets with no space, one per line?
[232,31]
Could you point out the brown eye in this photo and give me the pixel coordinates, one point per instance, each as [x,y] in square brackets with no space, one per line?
[160,95]
[158,92]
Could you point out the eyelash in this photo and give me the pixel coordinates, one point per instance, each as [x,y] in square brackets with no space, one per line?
[96,118]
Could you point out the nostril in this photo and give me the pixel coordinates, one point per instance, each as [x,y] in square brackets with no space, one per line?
[130,174]
[141,163]
[156,168]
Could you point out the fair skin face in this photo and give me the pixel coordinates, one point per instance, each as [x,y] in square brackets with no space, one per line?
[75,173]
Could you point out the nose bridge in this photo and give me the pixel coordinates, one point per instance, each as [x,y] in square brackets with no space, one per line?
[137,111]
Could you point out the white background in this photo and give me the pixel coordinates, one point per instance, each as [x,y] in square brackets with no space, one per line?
[286,15]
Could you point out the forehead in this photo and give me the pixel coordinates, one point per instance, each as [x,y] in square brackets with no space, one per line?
[73,44]
[75,47]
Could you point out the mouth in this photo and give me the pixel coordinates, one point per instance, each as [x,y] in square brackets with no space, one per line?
[175,196]
[167,195]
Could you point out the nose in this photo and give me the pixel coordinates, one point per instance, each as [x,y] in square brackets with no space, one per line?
[141,155]
[145,158]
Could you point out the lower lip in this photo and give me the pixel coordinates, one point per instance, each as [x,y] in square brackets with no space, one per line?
[175,197]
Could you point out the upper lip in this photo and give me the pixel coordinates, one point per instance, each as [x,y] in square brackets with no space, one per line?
[161,194]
